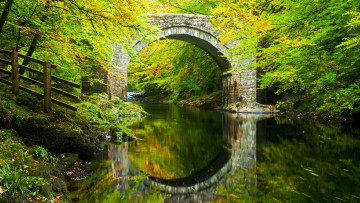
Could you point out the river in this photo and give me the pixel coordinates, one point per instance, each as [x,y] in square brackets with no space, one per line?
[185,154]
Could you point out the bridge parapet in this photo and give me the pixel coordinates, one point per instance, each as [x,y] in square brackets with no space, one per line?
[165,20]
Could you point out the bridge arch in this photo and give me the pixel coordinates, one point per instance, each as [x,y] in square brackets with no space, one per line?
[203,179]
[237,85]
[202,39]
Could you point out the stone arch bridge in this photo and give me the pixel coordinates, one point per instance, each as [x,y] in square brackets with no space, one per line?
[239,85]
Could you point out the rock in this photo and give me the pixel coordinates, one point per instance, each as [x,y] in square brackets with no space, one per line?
[68,159]
[72,167]
[253,107]
[60,139]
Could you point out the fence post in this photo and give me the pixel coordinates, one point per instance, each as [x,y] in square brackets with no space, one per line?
[47,87]
[15,72]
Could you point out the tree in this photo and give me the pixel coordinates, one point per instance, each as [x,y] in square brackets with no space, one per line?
[5,13]
[187,6]
[177,69]
[307,48]
[75,34]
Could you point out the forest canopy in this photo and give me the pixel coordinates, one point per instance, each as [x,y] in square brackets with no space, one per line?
[307,50]
[78,35]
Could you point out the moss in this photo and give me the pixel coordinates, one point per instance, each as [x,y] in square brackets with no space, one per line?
[60,139]
[5,134]
[27,101]
[68,158]
[103,114]
[34,168]
[23,177]
[42,154]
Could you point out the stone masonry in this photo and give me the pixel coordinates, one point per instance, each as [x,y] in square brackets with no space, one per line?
[238,85]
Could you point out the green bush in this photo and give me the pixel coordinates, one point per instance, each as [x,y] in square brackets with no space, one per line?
[42,154]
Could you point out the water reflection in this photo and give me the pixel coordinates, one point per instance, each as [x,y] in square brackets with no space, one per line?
[295,161]
[175,143]
[211,156]
[240,132]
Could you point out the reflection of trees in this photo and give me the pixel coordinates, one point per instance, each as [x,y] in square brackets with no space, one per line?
[174,147]
[112,175]
[323,165]
[303,161]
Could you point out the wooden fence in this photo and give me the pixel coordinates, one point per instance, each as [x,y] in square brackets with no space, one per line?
[46,83]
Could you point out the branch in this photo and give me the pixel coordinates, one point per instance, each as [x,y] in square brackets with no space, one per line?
[184,9]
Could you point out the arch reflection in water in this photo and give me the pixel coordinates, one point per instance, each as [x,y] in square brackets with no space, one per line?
[244,132]
[176,144]
[182,150]
[183,160]
[239,136]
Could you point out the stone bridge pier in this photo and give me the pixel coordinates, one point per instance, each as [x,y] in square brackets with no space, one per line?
[238,85]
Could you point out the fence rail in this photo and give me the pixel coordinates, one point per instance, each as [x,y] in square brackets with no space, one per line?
[46,83]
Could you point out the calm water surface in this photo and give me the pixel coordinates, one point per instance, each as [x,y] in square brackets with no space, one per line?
[191,155]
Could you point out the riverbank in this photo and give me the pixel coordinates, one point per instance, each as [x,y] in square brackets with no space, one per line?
[208,101]
[63,139]
[284,108]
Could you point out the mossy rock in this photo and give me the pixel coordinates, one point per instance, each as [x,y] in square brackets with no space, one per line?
[29,102]
[68,158]
[35,178]
[43,171]
[60,139]
[7,133]
[59,187]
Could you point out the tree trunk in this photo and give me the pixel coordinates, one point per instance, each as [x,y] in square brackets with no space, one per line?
[30,52]
[34,42]
[5,13]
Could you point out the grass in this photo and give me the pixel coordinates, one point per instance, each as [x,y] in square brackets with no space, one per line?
[17,169]
[42,154]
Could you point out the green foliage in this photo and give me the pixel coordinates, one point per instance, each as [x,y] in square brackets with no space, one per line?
[307,48]
[19,179]
[186,6]
[100,186]
[14,111]
[99,115]
[90,108]
[52,29]
[5,134]
[13,180]
[118,101]
[321,164]
[175,68]
[16,114]
[124,131]
[43,155]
